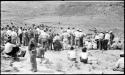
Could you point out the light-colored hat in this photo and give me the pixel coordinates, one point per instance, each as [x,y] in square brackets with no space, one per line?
[110,31]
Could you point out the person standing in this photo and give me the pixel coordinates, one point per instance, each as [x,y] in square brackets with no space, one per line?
[101,37]
[111,37]
[106,40]
[20,35]
[97,40]
[14,36]
[33,53]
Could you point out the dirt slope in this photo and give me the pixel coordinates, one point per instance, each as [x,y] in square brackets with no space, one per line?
[102,15]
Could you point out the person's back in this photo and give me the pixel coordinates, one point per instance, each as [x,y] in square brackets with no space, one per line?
[8,47]
[84,55]
[8,32]
[101,35]
[72,54]
[107,36]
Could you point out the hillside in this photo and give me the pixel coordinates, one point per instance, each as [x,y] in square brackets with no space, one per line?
[102,15]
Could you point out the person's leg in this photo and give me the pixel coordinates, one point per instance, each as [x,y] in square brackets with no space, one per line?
[101,44]
[106,44]
[97,44]
[33,61]
[21,38]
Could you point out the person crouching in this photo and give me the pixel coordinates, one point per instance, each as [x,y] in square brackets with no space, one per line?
[11,50]
[119,65]
[84,55]
[72,56]
[32,53]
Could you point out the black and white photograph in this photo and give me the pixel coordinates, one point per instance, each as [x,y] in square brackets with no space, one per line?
[62,37]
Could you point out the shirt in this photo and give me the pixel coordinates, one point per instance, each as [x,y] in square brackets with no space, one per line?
[39,31]
[72,54]
[43,35]
[84,55]
[107,36]
[14,34]
[56,38]
[8,47]
[96,37]
[65,35]
[19,31]
[101,35]
[9,32]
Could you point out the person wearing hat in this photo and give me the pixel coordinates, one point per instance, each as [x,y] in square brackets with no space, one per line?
[119,65]
[106,40]
[101,37]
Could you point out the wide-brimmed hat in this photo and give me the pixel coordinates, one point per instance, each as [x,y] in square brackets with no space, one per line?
[110,31]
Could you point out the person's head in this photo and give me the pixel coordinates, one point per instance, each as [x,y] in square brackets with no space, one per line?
[20,27]
[119,41]
[84,49]
[72,48]
[10,28]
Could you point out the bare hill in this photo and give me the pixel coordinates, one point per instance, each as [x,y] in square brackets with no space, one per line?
[102,15]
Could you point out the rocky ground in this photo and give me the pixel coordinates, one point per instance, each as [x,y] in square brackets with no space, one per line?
[57,63]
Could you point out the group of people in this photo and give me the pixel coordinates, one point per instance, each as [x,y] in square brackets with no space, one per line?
[40,38]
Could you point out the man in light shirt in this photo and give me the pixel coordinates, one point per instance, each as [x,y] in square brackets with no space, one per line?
[101,37]
[106,40]
[20,35]
[11,49]
[14,36]
[97,40]
[78,36]
[72,36]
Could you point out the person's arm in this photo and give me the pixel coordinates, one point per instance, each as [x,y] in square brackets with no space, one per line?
[13,45]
